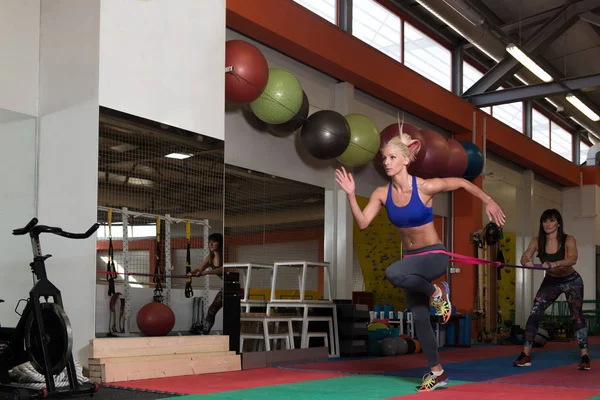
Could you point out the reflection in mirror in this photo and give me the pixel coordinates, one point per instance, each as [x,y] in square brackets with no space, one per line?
[160,206]
[270,219]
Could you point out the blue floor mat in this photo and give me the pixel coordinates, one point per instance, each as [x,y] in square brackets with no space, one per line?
[498,367]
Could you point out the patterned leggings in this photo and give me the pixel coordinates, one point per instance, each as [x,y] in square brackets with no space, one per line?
[214,309]
[551,288]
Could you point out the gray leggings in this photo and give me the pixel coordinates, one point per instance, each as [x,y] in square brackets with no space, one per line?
[414,275]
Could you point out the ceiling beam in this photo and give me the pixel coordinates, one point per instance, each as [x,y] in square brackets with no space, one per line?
[553,28]
[590,18]
[530,21]
[531,92]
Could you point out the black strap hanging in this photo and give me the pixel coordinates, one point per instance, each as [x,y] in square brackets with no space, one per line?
[189,292]
[110,265]
[158,297]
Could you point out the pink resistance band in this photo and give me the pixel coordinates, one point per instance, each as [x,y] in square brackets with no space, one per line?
[460,259]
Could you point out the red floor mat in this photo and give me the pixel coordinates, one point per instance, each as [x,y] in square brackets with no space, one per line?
[478,391]
[221,382]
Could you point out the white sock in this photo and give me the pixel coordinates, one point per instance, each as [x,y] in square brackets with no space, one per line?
[437,373]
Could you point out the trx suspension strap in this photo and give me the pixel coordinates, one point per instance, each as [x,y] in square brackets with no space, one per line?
[110,265]
[189,292]
[158,297]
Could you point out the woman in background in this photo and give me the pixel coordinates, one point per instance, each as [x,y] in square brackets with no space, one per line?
[557,252]
[212,265]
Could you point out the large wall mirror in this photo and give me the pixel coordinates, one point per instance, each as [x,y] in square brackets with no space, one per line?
[270,219]
[160,206]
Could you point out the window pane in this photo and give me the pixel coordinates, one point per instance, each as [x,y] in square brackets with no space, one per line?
[323,8]
[583,152]
[540,128]
[427,57]
[377,26]
[511,114]
[470,75]
[561,141]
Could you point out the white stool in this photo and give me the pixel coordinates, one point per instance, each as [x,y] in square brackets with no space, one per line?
[258,336]
[323,335]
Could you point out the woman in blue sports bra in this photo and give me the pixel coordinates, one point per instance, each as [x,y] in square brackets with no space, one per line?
[408,201]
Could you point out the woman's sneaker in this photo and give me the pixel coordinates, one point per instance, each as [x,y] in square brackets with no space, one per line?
[523,361]
[432,382]
[585,363]
[443,307]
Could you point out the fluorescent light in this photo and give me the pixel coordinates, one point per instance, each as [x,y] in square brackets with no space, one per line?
[576,120]
[178,156]
[528,63]
[519,77]
[549,100]
[455,29]
[571,98]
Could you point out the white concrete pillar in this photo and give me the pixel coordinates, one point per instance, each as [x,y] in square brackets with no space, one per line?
[338,217]
[49,133]
[68,153]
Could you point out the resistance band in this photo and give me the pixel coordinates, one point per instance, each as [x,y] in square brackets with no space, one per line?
[459,258]
[110,265]
[158,297]
[189,292]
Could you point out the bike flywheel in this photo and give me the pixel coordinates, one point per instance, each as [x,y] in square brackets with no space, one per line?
[58,338]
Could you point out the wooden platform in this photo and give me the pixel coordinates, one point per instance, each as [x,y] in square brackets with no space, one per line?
[132,358]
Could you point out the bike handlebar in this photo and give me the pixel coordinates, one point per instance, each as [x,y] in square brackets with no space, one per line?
[32,226]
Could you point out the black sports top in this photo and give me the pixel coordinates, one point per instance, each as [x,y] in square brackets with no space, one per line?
[560,254]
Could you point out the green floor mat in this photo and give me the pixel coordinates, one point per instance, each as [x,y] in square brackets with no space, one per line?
[357,387]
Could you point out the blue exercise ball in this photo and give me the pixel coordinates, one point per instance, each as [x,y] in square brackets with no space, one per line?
[474,160]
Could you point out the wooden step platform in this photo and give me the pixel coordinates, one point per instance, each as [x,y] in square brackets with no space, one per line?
[131,358]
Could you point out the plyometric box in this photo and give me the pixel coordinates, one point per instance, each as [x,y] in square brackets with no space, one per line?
[133,358]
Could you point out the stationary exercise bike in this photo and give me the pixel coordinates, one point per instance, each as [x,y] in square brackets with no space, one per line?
[43,335]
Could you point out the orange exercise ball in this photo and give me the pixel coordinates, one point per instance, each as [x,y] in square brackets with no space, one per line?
[155,319]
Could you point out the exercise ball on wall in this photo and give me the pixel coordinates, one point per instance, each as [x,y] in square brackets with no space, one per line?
[155,319]
[364,141]
[435,158]
[293,124]
[281,98]
[325,134]
[457,161]
[250,72]
[394,130]
[474,160]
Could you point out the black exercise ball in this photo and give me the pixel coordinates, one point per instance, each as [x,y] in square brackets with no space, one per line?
[292,125]
[326,134]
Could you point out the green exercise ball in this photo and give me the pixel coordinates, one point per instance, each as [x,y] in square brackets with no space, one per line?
[281,98]
[364,141]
